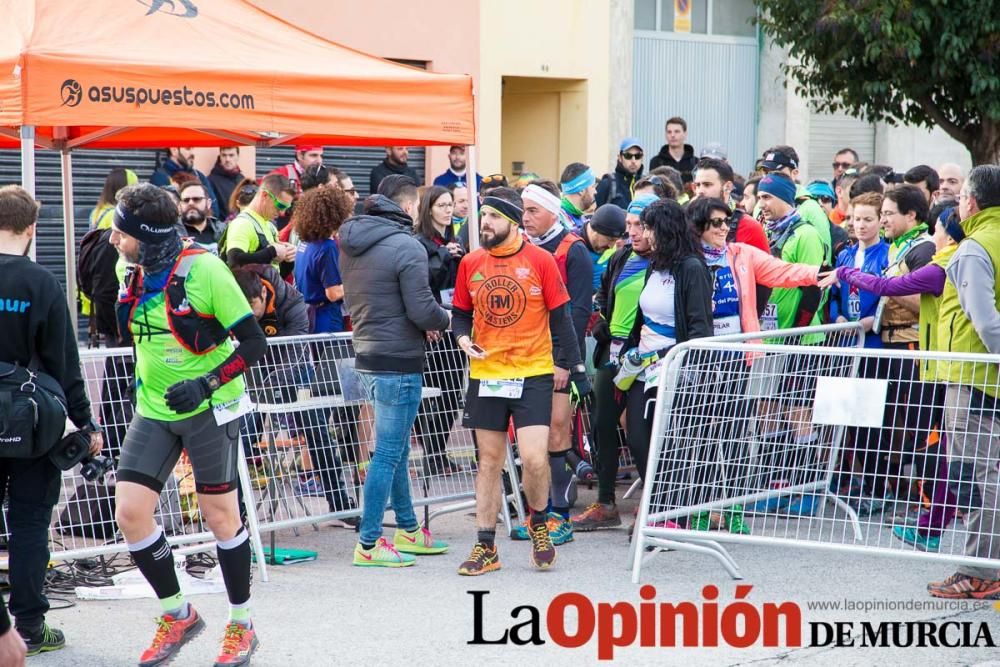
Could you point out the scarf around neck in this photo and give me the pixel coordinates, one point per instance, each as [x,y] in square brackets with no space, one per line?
[554,231]
[712,254]
[777,227]
[912,234]
[511,244]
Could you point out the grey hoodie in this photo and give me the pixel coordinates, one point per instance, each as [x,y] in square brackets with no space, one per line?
[386,289]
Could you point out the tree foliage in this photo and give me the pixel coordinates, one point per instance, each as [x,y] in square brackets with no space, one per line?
[921,62]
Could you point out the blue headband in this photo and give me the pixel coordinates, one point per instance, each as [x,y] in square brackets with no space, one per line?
[580,183]
[952,225]
[133,225]
[639,204]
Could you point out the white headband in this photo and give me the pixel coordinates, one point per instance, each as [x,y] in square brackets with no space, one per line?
[541,196]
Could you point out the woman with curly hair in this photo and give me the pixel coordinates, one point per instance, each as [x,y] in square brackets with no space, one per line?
[319,213]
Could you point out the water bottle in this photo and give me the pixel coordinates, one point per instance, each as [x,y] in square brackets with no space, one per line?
[633,362]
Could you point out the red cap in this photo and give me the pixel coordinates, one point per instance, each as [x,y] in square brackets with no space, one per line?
[306,149]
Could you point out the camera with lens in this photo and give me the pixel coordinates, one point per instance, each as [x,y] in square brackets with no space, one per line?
[75,449]
[93,469]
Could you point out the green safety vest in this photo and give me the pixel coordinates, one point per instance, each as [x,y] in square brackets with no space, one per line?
[955,330]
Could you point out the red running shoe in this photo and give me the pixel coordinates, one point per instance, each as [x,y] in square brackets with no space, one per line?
[237,646]
[171,634]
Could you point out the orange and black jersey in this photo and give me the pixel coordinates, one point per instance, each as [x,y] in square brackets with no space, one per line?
[510,297]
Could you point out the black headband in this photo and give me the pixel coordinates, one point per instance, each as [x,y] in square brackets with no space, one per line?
[133,225]
[505,208]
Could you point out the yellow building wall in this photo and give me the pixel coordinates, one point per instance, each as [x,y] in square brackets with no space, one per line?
[544,62]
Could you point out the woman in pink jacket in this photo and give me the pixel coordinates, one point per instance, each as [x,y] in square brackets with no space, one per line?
[737,270]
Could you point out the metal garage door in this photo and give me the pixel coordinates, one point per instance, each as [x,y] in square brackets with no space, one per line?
[670,80]
[828,133]
[90,168]
[356,161]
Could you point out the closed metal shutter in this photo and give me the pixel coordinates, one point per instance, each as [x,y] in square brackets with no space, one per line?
[357,161]
[669,79]
[828,133]
[90,168]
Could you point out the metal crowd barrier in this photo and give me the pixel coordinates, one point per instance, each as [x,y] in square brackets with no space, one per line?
[306,448]
[824,444]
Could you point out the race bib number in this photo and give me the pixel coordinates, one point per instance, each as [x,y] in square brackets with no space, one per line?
[231,410]
[854,305]
[652,373]
[727,325]
[769,321]
[501,388]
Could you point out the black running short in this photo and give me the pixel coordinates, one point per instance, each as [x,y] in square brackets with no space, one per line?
[533,408]
[152,447]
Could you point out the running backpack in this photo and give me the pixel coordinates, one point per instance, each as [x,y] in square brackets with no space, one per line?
[97,281]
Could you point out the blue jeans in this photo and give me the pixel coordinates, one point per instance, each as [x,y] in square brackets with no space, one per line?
[395,398]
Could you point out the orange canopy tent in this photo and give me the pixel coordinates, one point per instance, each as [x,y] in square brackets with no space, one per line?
[155,73]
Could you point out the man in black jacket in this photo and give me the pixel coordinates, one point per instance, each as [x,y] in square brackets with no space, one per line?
[225,176]
[676,153]
[543,227]
[393,312]
[36,326]
[617,300]
[394,163]
[618,187]
[196,217]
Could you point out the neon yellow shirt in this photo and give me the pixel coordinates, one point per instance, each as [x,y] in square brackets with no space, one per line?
[161,361]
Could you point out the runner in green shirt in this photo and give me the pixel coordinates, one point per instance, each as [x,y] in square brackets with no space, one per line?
[179,303]
[793,240]
[250,237]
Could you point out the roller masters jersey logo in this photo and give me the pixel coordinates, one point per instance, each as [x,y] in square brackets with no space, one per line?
[502,301]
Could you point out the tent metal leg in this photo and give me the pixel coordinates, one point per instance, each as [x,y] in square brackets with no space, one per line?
[69,232]
[28,168]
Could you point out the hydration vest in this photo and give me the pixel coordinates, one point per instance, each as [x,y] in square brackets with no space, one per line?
[562,252]
[197,333]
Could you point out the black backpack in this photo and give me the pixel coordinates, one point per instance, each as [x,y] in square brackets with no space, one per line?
[97,280]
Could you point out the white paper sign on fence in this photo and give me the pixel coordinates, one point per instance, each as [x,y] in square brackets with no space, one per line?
[850,401]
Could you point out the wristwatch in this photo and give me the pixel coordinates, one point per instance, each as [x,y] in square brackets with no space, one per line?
[579,368]
[213,382]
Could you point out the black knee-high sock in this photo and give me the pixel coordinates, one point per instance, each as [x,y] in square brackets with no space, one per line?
[154,559]
[562,477]
[234,559]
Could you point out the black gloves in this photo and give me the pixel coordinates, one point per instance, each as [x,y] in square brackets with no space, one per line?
[601,331]
[187,395]
[579,384]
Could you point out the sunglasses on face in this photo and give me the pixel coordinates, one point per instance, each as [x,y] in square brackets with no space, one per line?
[718,223]
[632,156]
[842,165]
[278,204]
[192,200]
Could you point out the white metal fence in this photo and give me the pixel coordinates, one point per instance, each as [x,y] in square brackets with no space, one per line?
[828,446]
[306,447]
